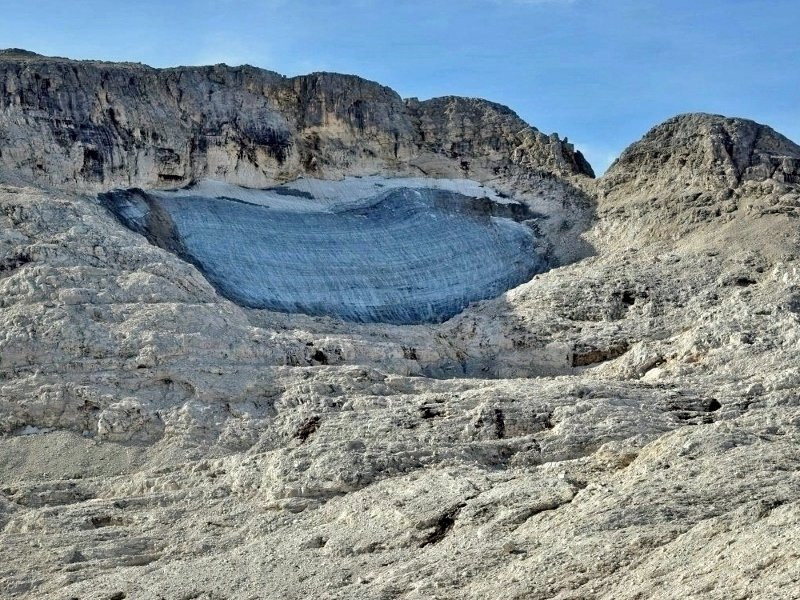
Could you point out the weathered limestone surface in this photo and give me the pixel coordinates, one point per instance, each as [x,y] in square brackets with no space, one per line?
[94,125]
[626,425]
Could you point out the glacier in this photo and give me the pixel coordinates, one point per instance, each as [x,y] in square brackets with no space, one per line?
[372,249]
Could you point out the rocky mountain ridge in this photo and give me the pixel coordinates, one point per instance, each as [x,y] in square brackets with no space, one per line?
[708,152]
[94,125]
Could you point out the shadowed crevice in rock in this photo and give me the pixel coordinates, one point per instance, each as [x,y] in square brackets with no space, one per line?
[444,523]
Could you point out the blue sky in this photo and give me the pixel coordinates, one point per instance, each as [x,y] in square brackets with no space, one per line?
[601,72]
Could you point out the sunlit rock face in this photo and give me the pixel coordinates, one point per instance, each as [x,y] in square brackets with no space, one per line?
[401,251]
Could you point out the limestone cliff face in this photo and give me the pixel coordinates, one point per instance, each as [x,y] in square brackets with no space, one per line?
[697,171]
[707,152]
[94,125]
[491,137]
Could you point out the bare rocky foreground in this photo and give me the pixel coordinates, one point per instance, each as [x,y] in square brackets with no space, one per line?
[625,425]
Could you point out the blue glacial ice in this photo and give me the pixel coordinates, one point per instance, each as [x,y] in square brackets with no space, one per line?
[399,251]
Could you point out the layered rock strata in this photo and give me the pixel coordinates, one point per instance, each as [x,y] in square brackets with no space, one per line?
[93,125]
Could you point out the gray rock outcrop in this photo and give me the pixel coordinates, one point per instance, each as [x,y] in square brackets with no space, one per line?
[93,125]
[708,152]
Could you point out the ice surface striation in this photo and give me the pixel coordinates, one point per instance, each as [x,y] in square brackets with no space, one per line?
[361,250]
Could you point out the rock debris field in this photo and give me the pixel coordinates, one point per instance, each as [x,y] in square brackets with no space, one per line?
[270,337]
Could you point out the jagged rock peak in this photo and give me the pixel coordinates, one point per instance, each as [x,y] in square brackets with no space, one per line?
[93,125]
[708,152]
[462,125]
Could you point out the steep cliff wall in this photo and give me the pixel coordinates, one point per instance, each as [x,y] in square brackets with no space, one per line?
[93,125]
